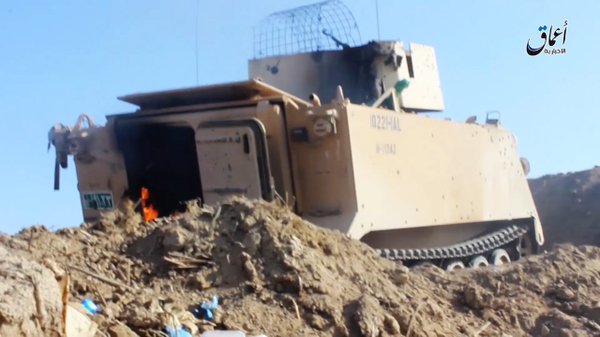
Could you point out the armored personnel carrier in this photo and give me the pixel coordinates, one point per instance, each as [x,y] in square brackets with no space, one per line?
[341,130]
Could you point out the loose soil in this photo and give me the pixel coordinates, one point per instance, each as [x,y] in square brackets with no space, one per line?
[279,275]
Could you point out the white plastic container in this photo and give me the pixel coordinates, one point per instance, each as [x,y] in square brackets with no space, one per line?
[223,333]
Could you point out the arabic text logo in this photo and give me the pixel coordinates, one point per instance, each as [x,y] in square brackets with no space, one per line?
[549,37]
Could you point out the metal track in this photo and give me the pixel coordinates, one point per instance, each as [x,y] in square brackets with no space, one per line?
[476,246]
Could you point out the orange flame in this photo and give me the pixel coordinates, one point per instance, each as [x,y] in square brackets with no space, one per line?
[147,209]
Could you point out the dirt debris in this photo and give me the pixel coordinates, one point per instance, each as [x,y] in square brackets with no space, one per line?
[278,275]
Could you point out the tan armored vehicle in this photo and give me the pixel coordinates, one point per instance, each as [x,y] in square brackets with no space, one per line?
[339,130]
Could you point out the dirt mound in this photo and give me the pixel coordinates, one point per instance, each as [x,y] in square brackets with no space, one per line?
[569,206]
[31,301]
[279,275]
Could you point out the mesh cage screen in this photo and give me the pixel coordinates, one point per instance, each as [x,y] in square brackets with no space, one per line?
[326,25]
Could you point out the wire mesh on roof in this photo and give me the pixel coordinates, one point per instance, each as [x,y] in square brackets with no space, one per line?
[325,25]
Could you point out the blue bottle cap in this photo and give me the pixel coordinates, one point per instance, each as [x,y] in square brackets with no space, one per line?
[90,306]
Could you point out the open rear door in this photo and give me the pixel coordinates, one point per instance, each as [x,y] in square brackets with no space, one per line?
[161,158]
[233,160]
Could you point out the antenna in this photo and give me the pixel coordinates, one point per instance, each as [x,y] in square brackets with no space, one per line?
[326,25]
[197,15]
[377,14]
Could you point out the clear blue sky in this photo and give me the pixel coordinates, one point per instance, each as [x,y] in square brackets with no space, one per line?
[62,58]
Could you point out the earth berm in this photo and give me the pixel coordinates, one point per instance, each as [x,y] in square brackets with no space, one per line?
[278,275]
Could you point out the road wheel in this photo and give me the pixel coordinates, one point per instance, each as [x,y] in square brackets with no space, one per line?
[478,261]
[453,265]
[500,257]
